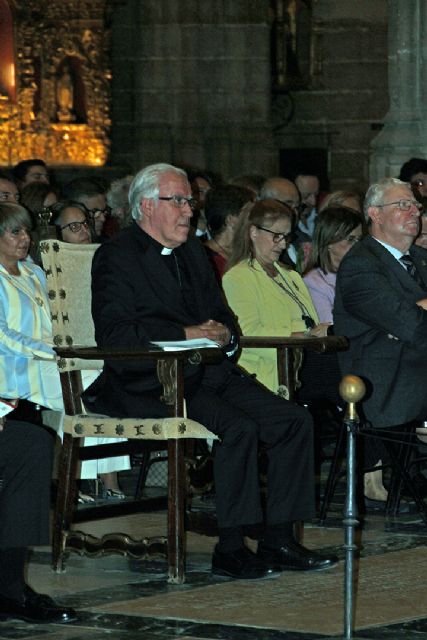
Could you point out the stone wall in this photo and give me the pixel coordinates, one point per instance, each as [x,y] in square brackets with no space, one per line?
[191,84]
[344,107]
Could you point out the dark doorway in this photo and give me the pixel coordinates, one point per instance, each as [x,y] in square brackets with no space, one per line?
[311,159]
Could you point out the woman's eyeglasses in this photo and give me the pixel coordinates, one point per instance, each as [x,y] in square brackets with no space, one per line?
[75,227]
[277,237]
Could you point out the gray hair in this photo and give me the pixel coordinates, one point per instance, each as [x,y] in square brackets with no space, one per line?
[146,185]
[13,215]
[117,194]
[375,193]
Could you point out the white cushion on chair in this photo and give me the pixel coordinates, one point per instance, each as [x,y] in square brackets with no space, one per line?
[93,425]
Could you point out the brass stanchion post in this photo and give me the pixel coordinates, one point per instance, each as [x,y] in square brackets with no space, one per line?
[352,389]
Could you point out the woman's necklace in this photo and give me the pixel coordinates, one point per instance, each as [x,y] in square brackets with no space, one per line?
[269,269]
[284,285]
[13,271]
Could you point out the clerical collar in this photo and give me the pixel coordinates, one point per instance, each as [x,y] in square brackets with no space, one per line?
[163,251]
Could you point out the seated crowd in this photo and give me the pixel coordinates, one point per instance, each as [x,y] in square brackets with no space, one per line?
[184,255]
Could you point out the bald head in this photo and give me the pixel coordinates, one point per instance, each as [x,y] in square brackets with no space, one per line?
[280,189]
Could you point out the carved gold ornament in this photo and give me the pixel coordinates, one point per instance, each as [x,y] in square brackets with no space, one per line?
[57,106]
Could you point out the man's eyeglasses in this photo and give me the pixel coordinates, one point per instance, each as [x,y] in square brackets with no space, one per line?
[95,213]
[295,206]
[8,195]
[75,227]
[418,183]
[38,176]
[180,201]
[277,237]
[403,205]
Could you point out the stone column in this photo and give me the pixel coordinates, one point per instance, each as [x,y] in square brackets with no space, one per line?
[405,126]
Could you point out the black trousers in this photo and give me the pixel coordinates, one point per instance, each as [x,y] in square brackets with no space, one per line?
[25,472]
[243,414]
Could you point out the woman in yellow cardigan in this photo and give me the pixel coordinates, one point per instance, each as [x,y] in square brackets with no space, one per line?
[268,298]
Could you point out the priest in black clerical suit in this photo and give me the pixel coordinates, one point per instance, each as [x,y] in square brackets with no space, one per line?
[380,305]
[153,283]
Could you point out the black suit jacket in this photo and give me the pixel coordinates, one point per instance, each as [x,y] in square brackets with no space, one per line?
[375,307]
[137,299]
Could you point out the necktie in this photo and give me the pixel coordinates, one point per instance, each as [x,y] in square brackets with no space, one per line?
[408,262]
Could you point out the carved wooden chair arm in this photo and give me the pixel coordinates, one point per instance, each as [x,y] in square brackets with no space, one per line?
[99,353]
[320,345]
[287,348]
[170,366]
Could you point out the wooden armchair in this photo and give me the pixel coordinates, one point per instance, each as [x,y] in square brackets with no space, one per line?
[68,271]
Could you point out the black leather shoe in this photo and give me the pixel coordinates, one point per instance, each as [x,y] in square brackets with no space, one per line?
[242,564]
[35,607]
[292,556]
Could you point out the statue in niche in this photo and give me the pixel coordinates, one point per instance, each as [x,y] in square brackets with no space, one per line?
[291,37]
[65,96]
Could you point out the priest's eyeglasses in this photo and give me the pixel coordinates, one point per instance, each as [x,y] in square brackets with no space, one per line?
[179,201]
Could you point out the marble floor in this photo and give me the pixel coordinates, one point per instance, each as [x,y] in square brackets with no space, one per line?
[124,599]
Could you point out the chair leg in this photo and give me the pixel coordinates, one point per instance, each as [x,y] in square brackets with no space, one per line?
[143,472]
[65,499]
[176,511]
[399,459]
[403,453]
[334,471]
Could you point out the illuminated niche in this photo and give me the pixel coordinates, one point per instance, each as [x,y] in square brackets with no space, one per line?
[55,81]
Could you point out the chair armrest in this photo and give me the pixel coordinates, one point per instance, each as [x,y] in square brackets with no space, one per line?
[319,345]
[170,366]
[287,369]
[194,356]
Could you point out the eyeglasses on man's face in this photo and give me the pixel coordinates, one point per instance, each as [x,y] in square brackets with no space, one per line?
[96,213]
[419,182]
[38,176]
[403,205]
[276,237]
[180,201]
[75,227]
[8,195]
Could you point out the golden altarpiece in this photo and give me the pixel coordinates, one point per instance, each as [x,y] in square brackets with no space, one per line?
[55,81]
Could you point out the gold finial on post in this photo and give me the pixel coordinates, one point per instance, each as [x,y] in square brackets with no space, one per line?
[352,389]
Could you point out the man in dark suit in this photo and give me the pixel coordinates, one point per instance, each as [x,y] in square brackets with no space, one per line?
[25,474]
[380,305]
[153,283]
